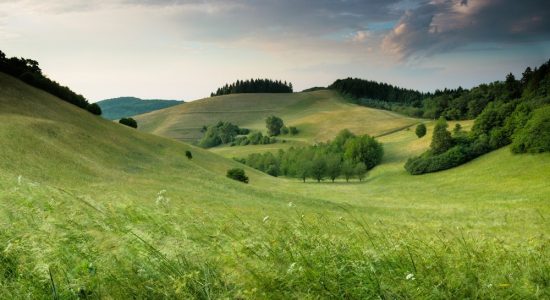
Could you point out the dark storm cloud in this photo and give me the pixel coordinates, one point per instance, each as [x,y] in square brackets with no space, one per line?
[443,26]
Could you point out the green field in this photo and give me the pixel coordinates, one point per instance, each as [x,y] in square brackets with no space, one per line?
[94,209]
[319,116]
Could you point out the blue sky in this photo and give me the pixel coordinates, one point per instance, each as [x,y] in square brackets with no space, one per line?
[184,49]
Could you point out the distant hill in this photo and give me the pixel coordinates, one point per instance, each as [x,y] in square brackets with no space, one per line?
[116,108]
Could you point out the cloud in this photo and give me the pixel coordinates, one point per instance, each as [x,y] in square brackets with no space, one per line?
[447,25]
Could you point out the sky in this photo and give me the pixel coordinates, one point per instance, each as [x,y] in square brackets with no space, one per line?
[185,49]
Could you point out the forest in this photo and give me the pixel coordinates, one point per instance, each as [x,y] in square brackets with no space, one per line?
[254,86]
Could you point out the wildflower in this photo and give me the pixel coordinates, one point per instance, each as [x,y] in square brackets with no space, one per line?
[265,219]
[410,276]
[19,178]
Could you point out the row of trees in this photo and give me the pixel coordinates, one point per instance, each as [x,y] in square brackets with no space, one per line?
[29,71]
[254,86]
[452,104]
[346,156]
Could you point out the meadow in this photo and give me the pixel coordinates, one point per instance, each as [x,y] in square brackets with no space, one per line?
[93,209]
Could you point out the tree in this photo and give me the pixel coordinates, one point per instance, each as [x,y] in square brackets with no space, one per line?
[441,139]
[420,130]
[457,129]
[333,166]
[94,109]
[318,168]
[128,122]
[237,174]
[361,171]
[284,130]
[364,149]
[274,125]
[348,170]
[188,154]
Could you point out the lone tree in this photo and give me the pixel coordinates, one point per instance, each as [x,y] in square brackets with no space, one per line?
[128,122]
[274,125]
[361,171]
[420,130]
[188,154]
[94,109]
[441,140]
[237,174]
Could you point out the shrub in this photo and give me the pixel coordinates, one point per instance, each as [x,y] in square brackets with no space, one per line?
[128,122]
[237,174]
[441,139]
[420,130]
[284,130]
[293,130]
[188,154]
[94,109]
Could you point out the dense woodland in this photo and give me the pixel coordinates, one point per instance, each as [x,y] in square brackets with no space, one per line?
[517,113]
[28,71]
[452,104]
[347,156]
[254,86]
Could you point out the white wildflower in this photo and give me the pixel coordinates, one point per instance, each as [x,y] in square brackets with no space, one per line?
[410,276]
[291,267]
[19,179]
[265,219]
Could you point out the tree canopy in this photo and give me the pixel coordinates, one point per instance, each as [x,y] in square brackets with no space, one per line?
[254,86]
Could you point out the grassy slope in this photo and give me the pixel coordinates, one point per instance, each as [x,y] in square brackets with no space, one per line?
[88,208]
[319,115]
[114,109]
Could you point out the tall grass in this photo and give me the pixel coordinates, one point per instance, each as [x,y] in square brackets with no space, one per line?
[121,251]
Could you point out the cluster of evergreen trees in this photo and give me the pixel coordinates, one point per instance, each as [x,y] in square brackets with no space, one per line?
[29,71]
[519,115]
[452,104]
[346,156]
[254,86]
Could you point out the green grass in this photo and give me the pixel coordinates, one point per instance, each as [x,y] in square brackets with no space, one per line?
[90,208]
[319,115]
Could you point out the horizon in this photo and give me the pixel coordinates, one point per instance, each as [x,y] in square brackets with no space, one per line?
[187,49]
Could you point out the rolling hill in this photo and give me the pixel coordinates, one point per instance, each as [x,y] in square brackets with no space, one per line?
[122,107]
[319,115]
[93,209]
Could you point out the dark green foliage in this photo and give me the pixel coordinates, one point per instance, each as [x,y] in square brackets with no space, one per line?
[293,130]
[221,133]
[255,138]
[313,89]
[116,108]
[364,149]
[94,109]
[441,139]
[420,130]
[284,130]
[237,174]
[188,154]
[318,168]
[128,122]
[254,86]
[535,136]
[360,171]
[453,104]
[28,71]
[274,125]
[333,159]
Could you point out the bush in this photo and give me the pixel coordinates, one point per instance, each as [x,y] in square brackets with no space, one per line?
[420,130]
[128,122]
[293,130]
[284,130]
[94,109]
[188,154]
[237,174]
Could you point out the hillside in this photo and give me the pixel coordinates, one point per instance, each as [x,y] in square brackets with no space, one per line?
[319,115]
[93,209]
[121,107]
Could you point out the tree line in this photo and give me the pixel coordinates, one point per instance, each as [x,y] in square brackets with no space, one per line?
[347,156]
[29,72]
[254,86]
[452,104]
